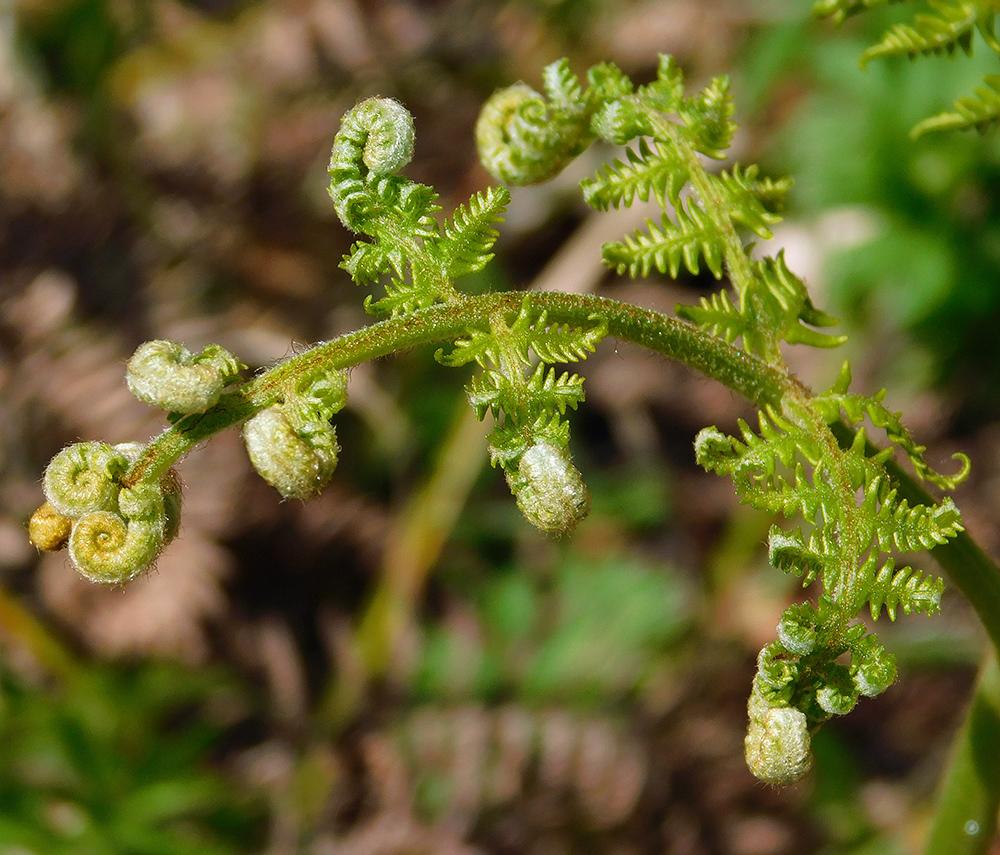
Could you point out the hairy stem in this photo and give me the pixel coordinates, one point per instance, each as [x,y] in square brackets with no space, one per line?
[743,373]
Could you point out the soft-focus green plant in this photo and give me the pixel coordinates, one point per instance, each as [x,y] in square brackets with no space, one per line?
[908,230]
[808,457]
[115,760]
[945,27]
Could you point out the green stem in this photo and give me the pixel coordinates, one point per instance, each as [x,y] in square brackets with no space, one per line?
[965,818]
[743,373]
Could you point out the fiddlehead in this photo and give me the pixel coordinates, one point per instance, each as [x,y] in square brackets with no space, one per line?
[121,504]
[167,375]
[525,138]
[114,532]
[292,444]
[531,439]
[421,257]
[792,464]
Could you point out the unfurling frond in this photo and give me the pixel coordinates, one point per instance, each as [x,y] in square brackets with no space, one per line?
[528,400]
[905,588]
[857,407]
[469,236]
[422,259]
[649,172]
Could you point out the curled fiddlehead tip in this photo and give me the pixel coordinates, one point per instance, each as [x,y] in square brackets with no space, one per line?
[389,144]
[113,533]
[169,376]
[375,139]
[296,456]
[497,135]
[549,489]
[84,477]
[777,744]
[48,529]
[112,548]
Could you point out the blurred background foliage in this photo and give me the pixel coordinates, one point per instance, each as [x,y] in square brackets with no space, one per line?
[400,665]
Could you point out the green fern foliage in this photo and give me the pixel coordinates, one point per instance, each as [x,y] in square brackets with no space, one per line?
[856,519]
[421,258]
[527,397]
[951,26]
[528,401]
[670,246]
[791,463]
[672,133]
[980,111]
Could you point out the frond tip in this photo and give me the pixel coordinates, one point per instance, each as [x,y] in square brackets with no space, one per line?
[980,111]
[549,489]
[777,744]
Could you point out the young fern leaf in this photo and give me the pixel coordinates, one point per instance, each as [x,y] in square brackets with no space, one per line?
[468,237]
[980,112]
[421,258]
[857,407]
[905,588]
[530,439]
[952,27]
[648,172]
[524,139]
[692,237]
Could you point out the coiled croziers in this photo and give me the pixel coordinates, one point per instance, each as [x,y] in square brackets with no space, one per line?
[114,533]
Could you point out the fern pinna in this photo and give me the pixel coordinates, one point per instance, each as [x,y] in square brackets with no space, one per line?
[792,463]
[117,507]
[949,26]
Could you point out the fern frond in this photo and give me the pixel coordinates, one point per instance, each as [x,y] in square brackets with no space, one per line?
[478,346]
[366,262]
[375,140]
[873,668]
[905,588]
[667,91]
[693,236]
[709,118]
[562,87]
[952,27]
[911,529]
[980,112]
[751,201]
[486,392]
[469,235]
[786,302]
[555,393]
[857,407]
[563,343]
[649,171]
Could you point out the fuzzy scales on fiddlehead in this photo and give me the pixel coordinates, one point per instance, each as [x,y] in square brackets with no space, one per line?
[822,659]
